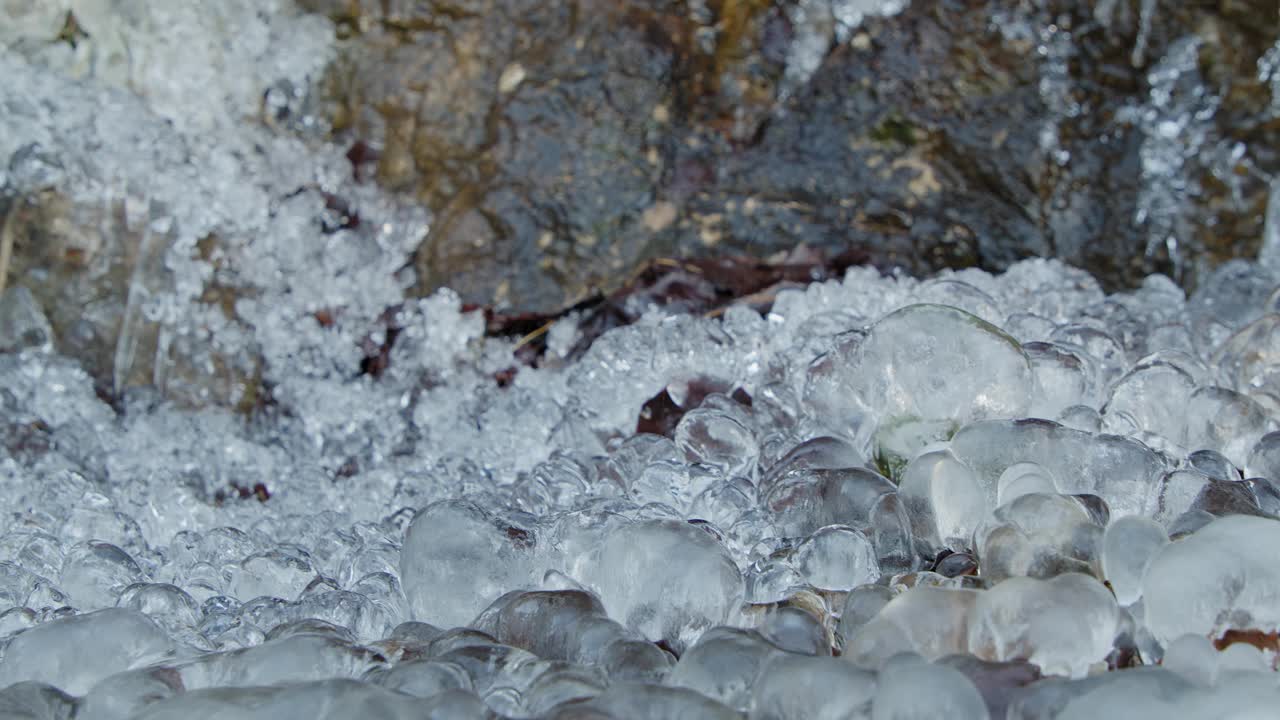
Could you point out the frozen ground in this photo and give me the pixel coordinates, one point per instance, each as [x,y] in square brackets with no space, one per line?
[1019,494]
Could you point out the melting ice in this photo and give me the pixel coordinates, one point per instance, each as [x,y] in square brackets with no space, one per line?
[1027,496]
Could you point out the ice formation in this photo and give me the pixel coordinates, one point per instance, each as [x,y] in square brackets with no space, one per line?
[1006,489]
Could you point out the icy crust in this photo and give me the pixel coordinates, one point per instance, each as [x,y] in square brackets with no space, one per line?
[199,65]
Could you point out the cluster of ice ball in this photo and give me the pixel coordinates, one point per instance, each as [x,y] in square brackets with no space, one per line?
[882,495]
[1003,489]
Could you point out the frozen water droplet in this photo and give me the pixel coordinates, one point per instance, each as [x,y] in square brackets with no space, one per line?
[929,620]
[1064,625]
[892,536]
[724,502]
[1128,545]
[458,557]
[772,581]
[1122,471]
[74,653]
[1062,379]
[944,498]
[96,573]
[837,557]
[1149,398]
[804,500]
[643,589]
[1021,479]
[423,678]
[861,605]
[950,694]
[791,687]
[936,364]
[1220,577]
[1264,458]
[1225,421]
[711,436]
[723,665]
[271,574]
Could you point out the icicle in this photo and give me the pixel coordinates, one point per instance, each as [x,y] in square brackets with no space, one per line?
[1147,9]
[1269,252]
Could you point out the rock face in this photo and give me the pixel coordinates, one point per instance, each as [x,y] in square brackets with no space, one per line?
[569,141]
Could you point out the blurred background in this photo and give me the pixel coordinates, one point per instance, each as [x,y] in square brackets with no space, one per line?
[532,154]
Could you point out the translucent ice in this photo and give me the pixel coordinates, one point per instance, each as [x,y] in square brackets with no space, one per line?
[642,588]
[458,557]
[932,366]
[1219,578]
[328,699]
[944,498]
[791,687]
[929,621]
[723,664]
[950,694]
[1064,625]
[74,653]
[837,557]
[1128,546]
[237,457]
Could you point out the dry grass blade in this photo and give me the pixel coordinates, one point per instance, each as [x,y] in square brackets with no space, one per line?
[6,245]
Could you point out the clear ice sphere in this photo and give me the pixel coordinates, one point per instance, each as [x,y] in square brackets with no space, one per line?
[641,587]
[74,653]
[717,438]
[796,687]
[837,558]
[1021,479]
[804,500]
[1220,577]
[928,620]
[1065,624]
[945,500]
[933,368]
[1226,421]
[950,694]
[96,573]
[723,665]
[1128,545]
[1152,398]
[1062,379]
[1264,458]
[458,557]
[861,605]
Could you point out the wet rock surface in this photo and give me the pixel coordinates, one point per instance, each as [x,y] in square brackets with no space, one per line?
[560,144]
